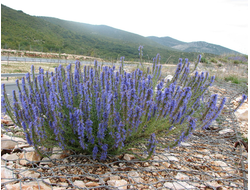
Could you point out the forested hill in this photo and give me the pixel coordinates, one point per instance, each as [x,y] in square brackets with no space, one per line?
[202,47]
[25,32]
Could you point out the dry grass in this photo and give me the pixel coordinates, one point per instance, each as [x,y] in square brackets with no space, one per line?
[222,71]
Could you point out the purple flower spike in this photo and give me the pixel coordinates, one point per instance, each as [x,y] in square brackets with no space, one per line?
[140,50]
[199,58]
[95,151]
[152,143]
[104,152]
[244,97]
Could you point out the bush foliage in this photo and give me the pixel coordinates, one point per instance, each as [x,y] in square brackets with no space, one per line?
[102,111]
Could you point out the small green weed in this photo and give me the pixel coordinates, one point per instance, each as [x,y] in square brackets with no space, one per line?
[18,71]
[213,60]
[204,60]
[235,79]
[237,62]
[224,60]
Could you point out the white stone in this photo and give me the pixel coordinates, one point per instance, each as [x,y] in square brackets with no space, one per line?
[21,146]
[214,184]
[171,158]
[10,157]
[26,158]
[179,185]
[47,181]
[7,144]
[6,173]
[135,176]
[242,115]
[29,149]
[224,131]
[79,183]
[169,77]
[91,184]
[28,173]
[45,161]
[120,184]
[222,166]
[58,153]
[128,157]
[181,176]
[29,186]
[185,144]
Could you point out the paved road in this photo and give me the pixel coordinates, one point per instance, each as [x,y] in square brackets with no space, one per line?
[9,86]
[44,60]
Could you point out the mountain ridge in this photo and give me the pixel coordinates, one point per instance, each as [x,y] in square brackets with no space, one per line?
[20,30]
[196,46]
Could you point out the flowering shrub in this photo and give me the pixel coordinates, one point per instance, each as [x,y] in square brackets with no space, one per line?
[103,111]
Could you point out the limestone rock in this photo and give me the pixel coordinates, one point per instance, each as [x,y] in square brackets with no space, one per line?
[79,183]
[20,146]
[8,142]
[135,177]
[224,131]
[242,115]
[29,173]
[45,161]
[120,184]
[26,158]
[128,157]
[179,185]
[58,153]
[10,157]
[29,186]
[242,112]
[220,166]
[6,173]
[181,176]
[91,184]
[171,158]
[185,144]
[169,77]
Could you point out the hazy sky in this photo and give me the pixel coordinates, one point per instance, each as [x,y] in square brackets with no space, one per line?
[221,22]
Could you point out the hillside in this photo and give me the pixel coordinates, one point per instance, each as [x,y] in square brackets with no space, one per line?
[166,41]
[199,47]
[104,32]
[204,47]
[24,32]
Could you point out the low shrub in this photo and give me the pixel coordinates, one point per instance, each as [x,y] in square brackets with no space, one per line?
[213,60]
[101,111]
[204,60]
[224,60]
[236,62]
[235,79]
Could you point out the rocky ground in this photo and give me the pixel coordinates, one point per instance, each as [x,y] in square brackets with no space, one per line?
[210,159]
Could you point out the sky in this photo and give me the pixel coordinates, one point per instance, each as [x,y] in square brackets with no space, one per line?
[220,22]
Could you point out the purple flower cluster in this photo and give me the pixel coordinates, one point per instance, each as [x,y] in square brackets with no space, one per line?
[140,50]
[102,111]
